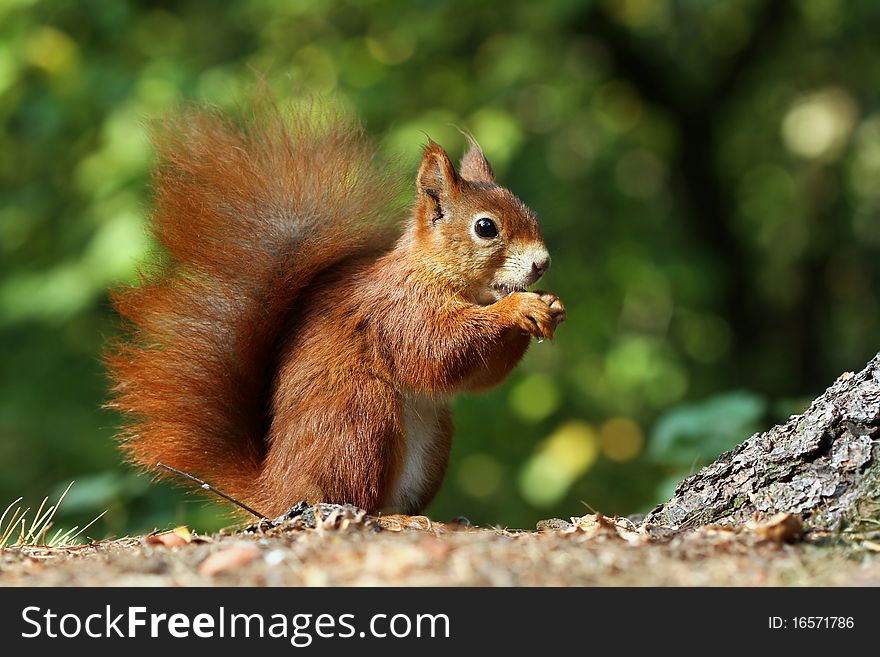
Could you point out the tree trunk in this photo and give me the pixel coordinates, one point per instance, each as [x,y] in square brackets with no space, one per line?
[823,465]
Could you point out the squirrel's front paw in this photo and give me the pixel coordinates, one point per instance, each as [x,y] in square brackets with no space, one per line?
[555,305]
[539,313]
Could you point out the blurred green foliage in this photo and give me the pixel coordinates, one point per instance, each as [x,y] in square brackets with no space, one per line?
[707,174]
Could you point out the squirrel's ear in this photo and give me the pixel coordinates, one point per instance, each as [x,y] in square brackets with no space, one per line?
[474,165]
[437,180]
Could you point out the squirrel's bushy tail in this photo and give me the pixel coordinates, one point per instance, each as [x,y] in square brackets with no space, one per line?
[246,213]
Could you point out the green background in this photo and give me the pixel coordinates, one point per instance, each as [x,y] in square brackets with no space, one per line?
[706,172]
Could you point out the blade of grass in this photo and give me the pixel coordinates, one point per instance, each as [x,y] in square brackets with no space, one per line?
[13,523]
[39,521]
[38,516]
[3,517]
[81,531]
[6,530]
[36,533]
[46,521]
[52,541]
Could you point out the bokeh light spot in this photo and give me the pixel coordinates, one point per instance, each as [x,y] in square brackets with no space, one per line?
[621,439]
[569,452]
[479,475]
[535,398]
[818,125]
[50,49]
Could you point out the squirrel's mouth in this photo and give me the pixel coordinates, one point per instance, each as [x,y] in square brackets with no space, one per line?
[496,292]
[506,289]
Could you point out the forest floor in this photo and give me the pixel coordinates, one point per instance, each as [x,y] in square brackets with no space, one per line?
[355,549]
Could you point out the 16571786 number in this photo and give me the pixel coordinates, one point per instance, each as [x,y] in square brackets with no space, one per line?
[823,622]
[811,623]
[815,623]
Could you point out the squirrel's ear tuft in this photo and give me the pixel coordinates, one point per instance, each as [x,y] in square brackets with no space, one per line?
[437,180]
[474,165]
[436,173]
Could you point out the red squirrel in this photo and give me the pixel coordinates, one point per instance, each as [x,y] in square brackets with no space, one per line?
[293,343]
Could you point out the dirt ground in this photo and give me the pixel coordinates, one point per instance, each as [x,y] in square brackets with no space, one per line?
[347,549]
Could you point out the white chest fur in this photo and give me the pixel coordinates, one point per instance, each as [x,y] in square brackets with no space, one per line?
[422,425]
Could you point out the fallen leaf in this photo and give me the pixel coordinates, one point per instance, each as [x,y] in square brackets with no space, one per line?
[177,537]
[596,525]
[228,559]
[781,527]
[398,522]
[553,524]
[588,522]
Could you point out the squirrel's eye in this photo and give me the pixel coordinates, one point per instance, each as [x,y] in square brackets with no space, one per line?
[485,228]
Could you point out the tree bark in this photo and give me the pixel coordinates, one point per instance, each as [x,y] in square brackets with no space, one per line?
[823,465]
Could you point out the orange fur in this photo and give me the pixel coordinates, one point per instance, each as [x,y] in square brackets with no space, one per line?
[280,349]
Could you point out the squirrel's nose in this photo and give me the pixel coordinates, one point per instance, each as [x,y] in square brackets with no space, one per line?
[540,266]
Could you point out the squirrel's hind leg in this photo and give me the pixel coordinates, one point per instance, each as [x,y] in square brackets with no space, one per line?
[342,449]
[425,456]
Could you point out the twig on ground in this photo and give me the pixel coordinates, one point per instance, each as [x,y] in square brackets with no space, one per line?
[206,486]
